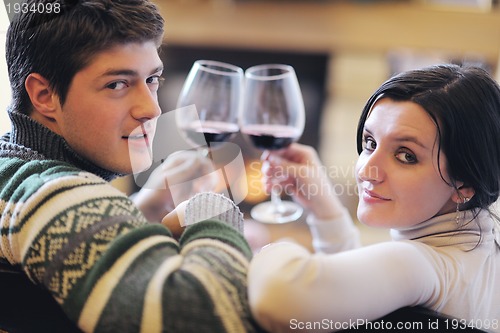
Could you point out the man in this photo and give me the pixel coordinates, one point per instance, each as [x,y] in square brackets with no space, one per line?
[84,79]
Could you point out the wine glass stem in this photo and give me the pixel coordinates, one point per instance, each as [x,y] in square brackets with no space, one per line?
[276,199]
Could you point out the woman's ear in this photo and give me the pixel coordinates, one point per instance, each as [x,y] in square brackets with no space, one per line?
[42,96]
[463,193]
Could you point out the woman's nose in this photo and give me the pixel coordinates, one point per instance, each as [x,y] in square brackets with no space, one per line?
[370,168]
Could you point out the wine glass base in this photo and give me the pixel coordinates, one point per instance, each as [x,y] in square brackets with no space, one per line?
[267,212]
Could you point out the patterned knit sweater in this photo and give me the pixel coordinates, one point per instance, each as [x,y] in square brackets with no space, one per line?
[71,232]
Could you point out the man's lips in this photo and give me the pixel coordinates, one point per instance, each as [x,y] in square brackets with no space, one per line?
[135,136]
[140,133]
[138,138]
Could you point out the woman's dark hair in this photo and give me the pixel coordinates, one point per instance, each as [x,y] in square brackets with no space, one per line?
[59,44]
[464,103]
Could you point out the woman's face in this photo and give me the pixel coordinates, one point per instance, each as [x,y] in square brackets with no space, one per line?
[397,172]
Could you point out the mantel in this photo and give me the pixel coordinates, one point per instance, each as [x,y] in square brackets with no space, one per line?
[331,26]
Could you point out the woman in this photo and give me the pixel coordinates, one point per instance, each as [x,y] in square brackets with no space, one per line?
[429,170]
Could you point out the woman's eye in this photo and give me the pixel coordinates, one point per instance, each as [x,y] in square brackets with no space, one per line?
[369,144]
[407,157]
[118,85]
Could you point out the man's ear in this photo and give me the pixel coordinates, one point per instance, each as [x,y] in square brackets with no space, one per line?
[42,96]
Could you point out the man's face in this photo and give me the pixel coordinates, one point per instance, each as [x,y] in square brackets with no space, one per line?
[111,108]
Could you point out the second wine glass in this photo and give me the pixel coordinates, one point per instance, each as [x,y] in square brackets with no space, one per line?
[273,117]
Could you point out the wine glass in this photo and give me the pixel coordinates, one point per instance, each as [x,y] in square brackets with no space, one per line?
[215,89]
[207,115]
[273,117]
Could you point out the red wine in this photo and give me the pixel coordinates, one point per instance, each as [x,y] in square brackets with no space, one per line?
[271,137]
[213,132]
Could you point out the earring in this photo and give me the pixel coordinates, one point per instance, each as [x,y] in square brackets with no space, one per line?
[457,216]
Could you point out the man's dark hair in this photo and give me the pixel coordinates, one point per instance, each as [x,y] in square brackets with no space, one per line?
[59,44]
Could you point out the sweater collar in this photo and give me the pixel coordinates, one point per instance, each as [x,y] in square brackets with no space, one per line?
[35,141]
[444,230]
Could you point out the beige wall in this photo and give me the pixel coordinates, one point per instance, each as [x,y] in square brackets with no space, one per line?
[4,82]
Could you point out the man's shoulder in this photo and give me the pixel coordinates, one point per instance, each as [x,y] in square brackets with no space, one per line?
[46,170]
[20,179]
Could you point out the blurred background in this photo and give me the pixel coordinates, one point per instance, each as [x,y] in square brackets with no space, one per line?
[4,80]
[341,50]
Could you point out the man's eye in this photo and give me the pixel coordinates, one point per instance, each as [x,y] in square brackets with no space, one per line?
[118,85]
[156,79]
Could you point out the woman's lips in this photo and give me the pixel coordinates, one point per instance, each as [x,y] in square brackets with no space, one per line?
[373,197]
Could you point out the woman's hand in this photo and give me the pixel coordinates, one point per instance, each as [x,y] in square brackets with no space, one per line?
[303,176]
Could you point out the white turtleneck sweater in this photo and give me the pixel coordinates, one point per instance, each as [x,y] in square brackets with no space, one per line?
[434,264]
